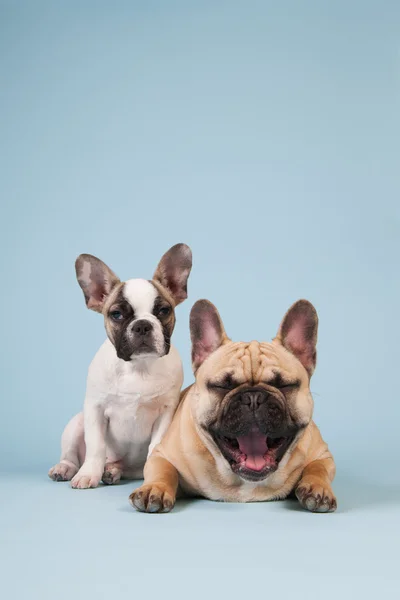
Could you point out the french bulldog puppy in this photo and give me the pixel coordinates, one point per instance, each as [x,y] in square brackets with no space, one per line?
[243,431]
[135,379]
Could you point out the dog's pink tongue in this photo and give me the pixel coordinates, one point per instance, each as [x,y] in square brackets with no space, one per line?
[254,445]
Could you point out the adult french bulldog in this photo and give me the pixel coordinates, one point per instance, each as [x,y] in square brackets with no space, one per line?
[243,431]
[135,379]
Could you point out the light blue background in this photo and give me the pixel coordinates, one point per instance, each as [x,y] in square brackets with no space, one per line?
[266,136]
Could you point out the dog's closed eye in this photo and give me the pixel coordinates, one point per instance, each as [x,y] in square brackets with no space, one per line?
[217,386]
[227,384]
[287,387]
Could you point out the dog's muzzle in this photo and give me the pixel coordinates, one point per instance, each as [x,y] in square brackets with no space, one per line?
[254,432]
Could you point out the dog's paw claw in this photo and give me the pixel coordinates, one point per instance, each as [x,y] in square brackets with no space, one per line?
[316,497]
[152,499]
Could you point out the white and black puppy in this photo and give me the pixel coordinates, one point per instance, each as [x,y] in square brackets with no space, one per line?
[136,376]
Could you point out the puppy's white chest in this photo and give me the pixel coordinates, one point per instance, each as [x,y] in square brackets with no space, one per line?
[130,417]
[124,407]
[130,424]
[133,398]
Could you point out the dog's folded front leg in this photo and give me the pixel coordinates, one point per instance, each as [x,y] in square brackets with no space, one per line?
[314,490]
[90,473]
[158,493]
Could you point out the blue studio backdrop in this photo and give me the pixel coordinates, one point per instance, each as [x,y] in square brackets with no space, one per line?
[266,136]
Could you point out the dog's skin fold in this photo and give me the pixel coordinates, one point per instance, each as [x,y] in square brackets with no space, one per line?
[243,431]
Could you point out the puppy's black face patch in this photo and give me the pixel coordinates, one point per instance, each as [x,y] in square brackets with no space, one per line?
[120,319]
[164,313]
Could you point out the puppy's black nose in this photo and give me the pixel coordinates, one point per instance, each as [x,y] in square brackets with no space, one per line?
[253,399]
[142,327]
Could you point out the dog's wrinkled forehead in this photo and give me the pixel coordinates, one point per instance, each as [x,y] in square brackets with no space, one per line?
[253,362]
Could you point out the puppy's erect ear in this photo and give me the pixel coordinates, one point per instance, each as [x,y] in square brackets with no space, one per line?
[95,279]
[206,331]
[173,271]
[298,333]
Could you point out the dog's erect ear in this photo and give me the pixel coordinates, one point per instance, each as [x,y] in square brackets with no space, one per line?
[298,333]
[173,271]
[206,331]
[95,279]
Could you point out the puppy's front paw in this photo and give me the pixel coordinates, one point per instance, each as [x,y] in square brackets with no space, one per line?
[150,498]
[63,471]
[84,480]
[316,496]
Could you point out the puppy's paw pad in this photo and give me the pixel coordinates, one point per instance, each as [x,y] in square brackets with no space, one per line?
[316,497]
[153,499]
[62,472]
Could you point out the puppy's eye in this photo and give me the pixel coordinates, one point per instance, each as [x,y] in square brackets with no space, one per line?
[116,315]
[164,311]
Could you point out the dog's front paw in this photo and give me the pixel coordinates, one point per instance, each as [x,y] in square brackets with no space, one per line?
[85,479]
[316,496]
[63,471]
[150,498]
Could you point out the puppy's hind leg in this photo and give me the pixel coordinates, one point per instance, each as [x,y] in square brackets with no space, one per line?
[112,472]
[72,451]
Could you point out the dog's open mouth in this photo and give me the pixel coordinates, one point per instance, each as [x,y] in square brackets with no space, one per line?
[254,455]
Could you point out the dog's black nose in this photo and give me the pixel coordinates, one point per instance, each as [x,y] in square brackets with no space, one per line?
[253,399]
[142,327]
